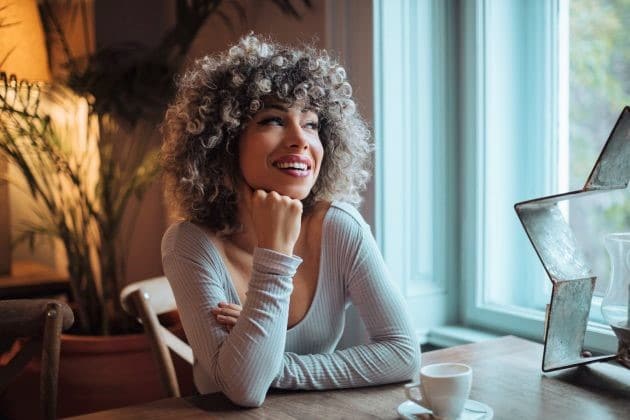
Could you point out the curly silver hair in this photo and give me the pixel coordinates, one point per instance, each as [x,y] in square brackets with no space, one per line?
[218,95]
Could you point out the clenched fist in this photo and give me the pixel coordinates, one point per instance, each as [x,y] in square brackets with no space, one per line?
[276,219]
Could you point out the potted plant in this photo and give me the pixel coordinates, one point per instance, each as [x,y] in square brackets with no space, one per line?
[83,181]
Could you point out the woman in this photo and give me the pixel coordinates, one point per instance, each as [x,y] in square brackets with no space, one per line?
[264,156]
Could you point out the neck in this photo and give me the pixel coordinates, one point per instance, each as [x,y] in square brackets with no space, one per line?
[245,239]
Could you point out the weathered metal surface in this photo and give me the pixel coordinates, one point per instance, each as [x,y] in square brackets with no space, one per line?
[612,170]
[566,326]
[554,242]
[568,270]
[623,354]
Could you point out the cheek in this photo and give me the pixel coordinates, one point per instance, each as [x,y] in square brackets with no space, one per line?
[249,164]
[249,155]
[318,154]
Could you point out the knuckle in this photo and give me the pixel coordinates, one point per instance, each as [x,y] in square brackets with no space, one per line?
[258,196]
[296,205]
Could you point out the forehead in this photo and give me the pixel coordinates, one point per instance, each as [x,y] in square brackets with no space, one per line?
[297,106]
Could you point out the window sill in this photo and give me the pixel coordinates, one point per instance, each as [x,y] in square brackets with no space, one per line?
[599,337]
[453,335]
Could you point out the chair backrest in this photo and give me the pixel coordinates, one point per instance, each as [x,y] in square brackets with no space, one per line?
[146,300]
[41,320]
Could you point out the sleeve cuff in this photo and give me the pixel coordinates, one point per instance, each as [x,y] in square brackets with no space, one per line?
[268,261]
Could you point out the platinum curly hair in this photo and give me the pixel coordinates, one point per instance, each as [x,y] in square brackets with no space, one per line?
[217,96]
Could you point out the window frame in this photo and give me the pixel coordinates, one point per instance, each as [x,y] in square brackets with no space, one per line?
[396,117]
[524,322]
[454,293]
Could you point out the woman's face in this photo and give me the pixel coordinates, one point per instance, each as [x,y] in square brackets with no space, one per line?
[280,150]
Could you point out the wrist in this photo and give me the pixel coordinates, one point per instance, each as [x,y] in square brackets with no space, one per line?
[281,248]
[269,261]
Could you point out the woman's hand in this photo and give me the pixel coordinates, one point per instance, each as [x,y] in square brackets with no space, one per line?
[277,220]
[227,314]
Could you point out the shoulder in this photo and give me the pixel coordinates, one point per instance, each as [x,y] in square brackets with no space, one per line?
[344,228]
[187,247]
[185,237]
[345,216]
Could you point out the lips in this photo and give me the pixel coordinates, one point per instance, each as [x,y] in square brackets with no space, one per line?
[295,165]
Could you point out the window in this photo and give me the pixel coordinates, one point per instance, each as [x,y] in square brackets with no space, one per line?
[549,86]
[510,100]
[509,116]
[598,86]
[415,173]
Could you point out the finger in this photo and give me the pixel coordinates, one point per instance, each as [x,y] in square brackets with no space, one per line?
[229,312]
[230,305]
[258,197]
[226,312]
[297,206]
[226,320]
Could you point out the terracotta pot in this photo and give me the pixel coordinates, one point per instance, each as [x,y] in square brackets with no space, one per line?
[96,373]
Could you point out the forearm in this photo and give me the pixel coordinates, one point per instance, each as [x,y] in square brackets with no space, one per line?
[393,359]
[393,353]
[243,363]
[251,355]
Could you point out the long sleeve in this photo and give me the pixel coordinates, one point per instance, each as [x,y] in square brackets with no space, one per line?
[393,353]
[243,363]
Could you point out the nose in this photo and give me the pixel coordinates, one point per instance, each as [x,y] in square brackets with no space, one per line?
[295,137]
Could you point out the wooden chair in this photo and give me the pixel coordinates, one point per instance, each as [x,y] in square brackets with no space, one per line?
[41,320]
[146,300]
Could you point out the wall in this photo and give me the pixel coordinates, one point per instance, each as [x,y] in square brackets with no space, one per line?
[342,26]
[327,25]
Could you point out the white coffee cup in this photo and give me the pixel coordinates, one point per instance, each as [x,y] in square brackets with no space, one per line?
[443,388]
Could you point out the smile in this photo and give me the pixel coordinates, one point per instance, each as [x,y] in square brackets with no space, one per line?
[297,162]
[294,165]
[291,165]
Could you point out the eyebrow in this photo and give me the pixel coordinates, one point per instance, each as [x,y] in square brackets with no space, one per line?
[284,108]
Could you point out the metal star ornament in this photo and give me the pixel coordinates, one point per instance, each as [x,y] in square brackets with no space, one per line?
[572,278]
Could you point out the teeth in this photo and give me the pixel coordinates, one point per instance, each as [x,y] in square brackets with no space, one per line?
[292,165]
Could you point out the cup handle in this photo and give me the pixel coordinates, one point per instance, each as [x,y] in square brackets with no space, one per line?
[416,386]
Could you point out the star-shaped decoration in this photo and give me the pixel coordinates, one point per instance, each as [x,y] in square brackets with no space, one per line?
[572,278]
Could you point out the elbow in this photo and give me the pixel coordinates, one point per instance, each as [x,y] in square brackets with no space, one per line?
[411,358]
[247,387]
[249,398]
[414,362]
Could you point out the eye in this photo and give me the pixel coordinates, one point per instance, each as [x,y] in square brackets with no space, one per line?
[271,121]
[313,125]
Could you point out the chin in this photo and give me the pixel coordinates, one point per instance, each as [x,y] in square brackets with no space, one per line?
[294,193]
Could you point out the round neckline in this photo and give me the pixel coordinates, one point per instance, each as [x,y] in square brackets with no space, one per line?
[232,287]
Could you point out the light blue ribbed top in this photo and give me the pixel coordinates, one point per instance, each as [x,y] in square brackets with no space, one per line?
[260,352]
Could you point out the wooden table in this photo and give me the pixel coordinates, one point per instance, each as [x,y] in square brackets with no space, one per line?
[506,376]
[31,279]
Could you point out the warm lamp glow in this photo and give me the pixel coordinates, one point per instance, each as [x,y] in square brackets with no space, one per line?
[23,53]
[22,42]
[78,134]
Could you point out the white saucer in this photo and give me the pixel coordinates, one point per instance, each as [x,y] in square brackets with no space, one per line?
[473,410]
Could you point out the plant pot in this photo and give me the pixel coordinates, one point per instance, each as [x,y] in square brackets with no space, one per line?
[96,373]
